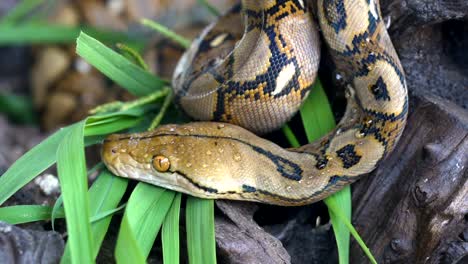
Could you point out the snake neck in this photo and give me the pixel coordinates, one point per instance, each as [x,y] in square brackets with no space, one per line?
[365,57]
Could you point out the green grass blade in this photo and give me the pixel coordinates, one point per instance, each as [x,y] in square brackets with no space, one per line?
[43,33]
[162,112]
[98,217]
[185,43]
[58,206]
[170,233]
[105,194]
[104,124]
[38,159]
[110,127]
[130,76]
[335,209]
[145,212]
[318,119]
[290,136]
[316,113]
[31,164]
[133,54]
[37,34]
[20,214]
[112,117]
[20,10]
[340,202]
[71,167]
[200,231]
[135,112]
[18,108]
[128,249]
[209,7]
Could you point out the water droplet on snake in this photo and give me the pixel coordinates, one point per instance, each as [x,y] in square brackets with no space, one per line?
[172,129]
[220,126]
[188,165]
[288,188]
[359,134]
[318,221]
[220,150]
[204,165]
[237,157]
[208,152]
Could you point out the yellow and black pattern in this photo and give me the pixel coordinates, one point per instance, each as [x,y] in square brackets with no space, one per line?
[253,68]
[270,70]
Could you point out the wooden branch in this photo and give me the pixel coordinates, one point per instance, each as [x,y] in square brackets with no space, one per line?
[413,208]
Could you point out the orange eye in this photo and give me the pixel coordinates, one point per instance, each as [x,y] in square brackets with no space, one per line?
[161,163]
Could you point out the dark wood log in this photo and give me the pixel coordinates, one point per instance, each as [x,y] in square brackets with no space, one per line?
[413,208]
[241,240]
[431,39]
[20,246]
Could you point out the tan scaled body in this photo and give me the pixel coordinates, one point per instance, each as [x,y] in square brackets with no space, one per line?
[258,80]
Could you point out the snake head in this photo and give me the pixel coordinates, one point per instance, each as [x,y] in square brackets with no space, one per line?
[211,160]
[191,158]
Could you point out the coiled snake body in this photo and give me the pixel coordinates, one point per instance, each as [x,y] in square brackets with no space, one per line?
[256,76]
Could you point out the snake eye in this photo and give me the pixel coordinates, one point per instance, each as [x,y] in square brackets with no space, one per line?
[161,163]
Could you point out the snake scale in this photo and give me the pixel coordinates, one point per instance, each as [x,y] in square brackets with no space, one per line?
[253,68]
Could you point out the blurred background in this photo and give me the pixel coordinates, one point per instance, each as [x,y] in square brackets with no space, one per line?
[43,81]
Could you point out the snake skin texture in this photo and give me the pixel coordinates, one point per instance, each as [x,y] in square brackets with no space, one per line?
[253,68]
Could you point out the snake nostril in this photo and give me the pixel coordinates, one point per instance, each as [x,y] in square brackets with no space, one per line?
[114,150]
